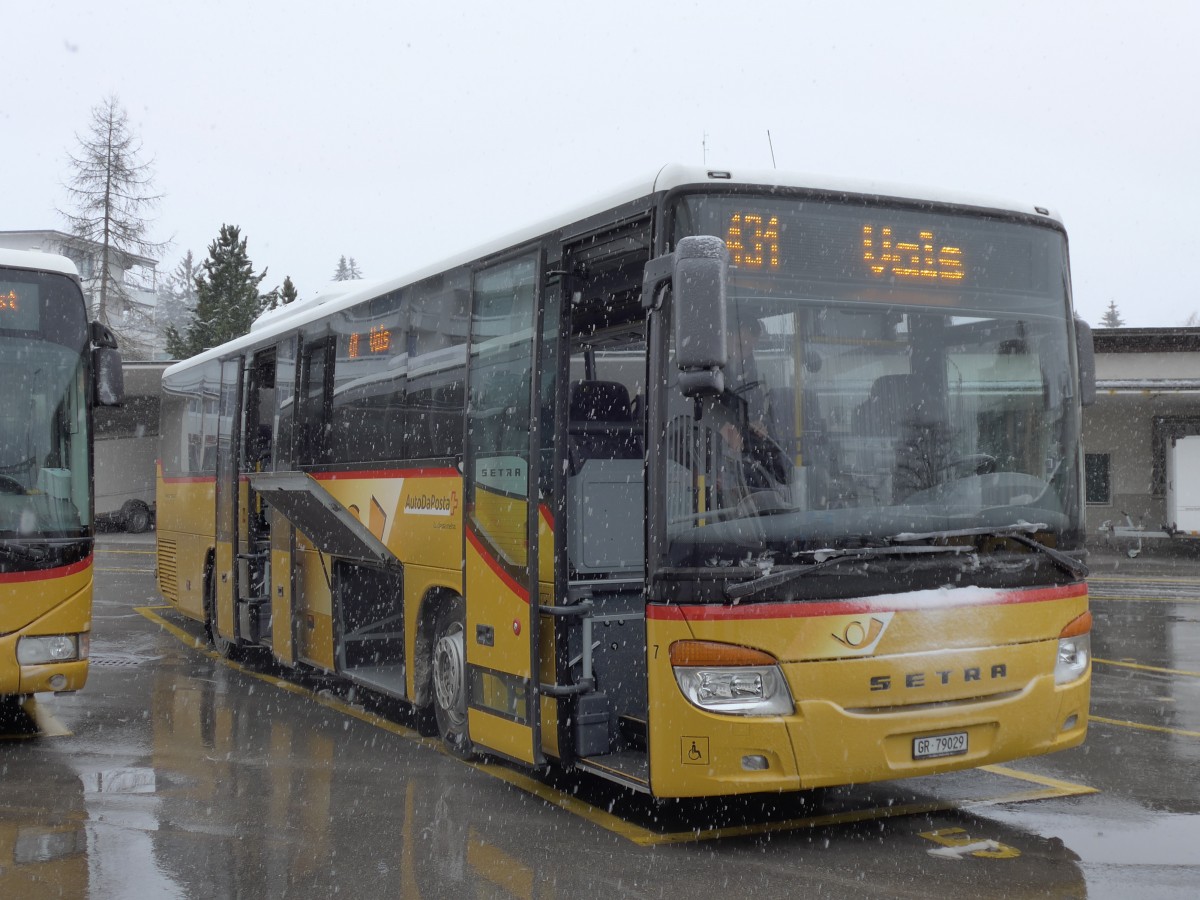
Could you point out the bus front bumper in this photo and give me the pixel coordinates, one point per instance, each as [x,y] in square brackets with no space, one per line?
[822,744]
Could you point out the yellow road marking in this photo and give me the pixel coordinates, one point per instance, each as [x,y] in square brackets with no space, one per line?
[630,831]
[1168,579]
[1142,668]
[1162,729]
[47,724]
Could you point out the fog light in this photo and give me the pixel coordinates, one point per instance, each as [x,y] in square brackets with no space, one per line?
[58,682]
[755,763]
[1070,723]
[36,651]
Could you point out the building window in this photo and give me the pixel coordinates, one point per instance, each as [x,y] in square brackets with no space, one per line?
[1096,478]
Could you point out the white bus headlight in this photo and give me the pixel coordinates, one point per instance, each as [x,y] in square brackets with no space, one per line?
[36,651]
[726,678]
[1074,650]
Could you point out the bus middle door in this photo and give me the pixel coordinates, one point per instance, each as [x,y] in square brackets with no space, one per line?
[501,519]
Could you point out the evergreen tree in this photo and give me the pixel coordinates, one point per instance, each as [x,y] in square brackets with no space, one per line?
[110,189]
[177,295]
[280,296]
[347,270]
[288,292]
[1112,318]
[227,297]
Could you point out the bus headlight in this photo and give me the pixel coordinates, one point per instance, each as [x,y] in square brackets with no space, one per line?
[726,678]
[36,651]
[1074,650]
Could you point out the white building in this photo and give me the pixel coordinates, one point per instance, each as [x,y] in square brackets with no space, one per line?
[1148,392]
[138,275]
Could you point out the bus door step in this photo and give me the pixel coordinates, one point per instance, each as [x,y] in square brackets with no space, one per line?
[250,618]
[628,768]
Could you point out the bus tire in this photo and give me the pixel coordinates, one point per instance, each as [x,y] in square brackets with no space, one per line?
[225,648]
[449,669]
[136,516]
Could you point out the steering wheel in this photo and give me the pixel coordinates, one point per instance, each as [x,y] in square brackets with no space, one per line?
[9,485]
[978,463]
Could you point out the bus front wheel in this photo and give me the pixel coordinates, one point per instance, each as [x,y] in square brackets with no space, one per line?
[450,677]
[225,647]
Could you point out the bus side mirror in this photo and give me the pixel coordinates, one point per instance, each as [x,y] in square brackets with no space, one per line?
[1085,353]
[107,374]
[700,276]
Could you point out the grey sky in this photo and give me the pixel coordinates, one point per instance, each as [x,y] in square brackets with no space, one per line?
[399,133]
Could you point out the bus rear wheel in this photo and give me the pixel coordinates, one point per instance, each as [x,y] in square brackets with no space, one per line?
[449,668]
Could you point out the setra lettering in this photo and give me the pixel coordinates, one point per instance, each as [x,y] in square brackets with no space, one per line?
[919,680]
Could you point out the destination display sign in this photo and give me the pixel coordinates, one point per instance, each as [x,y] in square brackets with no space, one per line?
[20,306]
[879,247]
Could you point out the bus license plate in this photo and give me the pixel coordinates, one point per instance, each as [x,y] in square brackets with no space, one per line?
[940,745]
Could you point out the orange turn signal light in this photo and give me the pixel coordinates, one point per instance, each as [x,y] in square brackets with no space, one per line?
[712,653]
[1079,625]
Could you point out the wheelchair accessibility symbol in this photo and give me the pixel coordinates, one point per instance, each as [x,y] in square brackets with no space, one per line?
[694,751]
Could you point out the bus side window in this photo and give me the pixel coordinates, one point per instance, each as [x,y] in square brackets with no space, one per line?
[312,424]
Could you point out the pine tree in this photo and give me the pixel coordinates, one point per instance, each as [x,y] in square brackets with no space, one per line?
[347,270]
[281,295]
[227,297]
[288,292]
[177,295]
[110,189]
[1112,318]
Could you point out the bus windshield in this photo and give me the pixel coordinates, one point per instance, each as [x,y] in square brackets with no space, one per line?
[893,374]
[44,488]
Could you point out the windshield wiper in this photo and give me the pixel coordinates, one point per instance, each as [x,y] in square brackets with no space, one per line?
[825,559]
[20,551]
[1019,532]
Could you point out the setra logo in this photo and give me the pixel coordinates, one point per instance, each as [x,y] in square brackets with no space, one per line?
[862,634]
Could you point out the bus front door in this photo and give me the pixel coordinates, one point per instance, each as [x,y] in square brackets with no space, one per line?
[223,617]
[501,521]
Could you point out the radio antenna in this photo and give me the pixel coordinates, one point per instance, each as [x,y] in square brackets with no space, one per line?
[771,144]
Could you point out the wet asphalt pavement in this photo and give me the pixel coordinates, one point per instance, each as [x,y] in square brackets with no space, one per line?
[177,774]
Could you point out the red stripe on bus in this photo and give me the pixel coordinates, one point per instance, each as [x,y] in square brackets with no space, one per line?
[43,574]
[387,473]
[547,516]
[804,609]
[494,565]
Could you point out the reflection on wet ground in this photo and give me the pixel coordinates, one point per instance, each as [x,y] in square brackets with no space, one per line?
[177,774]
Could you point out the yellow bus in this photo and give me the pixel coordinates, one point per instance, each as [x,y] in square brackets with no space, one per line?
[55,368]
[730,482]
